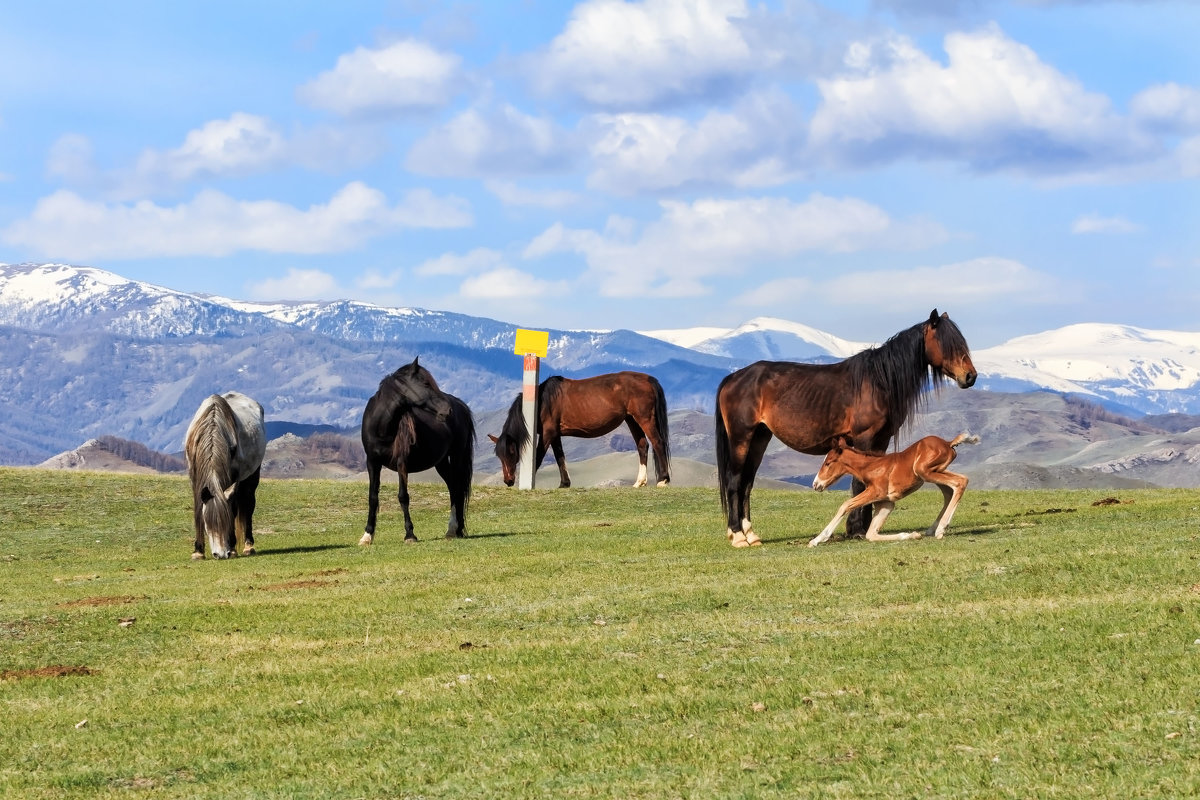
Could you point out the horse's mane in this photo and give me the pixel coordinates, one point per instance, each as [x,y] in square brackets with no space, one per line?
[388,389]
[899,371]
[210,466]
[514,425]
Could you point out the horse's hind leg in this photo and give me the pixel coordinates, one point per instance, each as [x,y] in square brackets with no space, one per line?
[952,485]
[882,509]
[643,450]
[457,527]
[245,513]
[373,469]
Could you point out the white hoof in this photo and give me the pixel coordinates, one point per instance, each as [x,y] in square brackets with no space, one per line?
[366,539]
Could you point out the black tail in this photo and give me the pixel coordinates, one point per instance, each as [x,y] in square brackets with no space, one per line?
[723,453]
[661,426]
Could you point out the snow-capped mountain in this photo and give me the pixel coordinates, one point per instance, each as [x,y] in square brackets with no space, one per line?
[84,352]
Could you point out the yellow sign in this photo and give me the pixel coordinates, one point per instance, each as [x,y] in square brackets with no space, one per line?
[535,343]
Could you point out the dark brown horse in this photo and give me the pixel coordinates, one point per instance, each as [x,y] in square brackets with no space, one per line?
[589,408]
[867,398]
[411,425]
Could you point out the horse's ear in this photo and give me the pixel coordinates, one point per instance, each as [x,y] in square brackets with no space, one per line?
[934,319]
[494,439]
[415,359]
[229,492]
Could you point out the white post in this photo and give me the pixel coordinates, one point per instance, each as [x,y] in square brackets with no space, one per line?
[529,392]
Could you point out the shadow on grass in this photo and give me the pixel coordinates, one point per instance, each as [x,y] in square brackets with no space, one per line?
[316,548]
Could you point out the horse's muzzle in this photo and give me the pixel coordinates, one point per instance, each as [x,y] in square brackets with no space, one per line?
[967,380]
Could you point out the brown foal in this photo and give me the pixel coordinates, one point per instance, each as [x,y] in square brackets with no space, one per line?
[891,476]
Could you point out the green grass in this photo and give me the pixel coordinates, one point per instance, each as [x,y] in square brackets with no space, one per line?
[595,643]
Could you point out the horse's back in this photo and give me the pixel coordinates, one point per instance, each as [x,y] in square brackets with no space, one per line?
[251,432]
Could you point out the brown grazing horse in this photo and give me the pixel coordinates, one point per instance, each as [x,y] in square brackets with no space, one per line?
[589,408]
[892,476]
[867,398]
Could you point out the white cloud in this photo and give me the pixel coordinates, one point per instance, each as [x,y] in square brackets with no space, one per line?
[638,55]
[690,242]
[405,76]
[1168,107]
[495,142]
[244,144]
[480,259]
[65,225]
[759,143]
[297,284]
[994,105]
[1093,223]
[508,283]
[979,281]
[511,194]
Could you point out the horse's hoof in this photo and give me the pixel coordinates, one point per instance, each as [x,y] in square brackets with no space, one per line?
[197,556]
[249,550]
[410,540]
[752,540]
[739,540]
[366,540]
[663,483]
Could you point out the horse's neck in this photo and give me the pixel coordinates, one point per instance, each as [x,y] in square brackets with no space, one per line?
[856,463]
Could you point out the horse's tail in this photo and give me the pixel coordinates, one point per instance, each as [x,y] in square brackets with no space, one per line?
[661,425]
[723,453]
[466,455]
[964,438]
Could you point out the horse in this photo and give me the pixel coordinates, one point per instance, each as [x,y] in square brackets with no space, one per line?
[588,408]
[225,444]
[892,476]
[866,397]
[410,425]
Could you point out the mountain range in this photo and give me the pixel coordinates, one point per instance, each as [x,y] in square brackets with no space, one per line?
[87,353]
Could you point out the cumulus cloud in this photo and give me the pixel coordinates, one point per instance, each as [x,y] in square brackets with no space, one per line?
[492,142]
[242,145]
[480,259]
[614,54]
[759,143]
[690,242]
[402,77]
[994,105]
[68,226]
[512,194]
[1168,107]
[297,284]
[505,283]
[1093,223]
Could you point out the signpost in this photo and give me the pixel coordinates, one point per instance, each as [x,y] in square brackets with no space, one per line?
[533,345]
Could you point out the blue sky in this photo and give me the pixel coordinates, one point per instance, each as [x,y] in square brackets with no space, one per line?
[1022,165]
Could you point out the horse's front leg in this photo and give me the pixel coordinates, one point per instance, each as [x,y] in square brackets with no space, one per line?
[373,468]
[198,520]
[564,480]
[246,503]
[847,508]
[402,496]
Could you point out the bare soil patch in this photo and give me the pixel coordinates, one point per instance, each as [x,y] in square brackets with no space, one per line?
[93,602]
[56,671]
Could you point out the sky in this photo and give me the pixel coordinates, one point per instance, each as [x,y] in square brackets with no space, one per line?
[848,164]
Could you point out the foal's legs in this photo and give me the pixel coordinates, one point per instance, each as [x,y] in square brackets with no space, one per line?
[882,509]
[373,468]
[952,485]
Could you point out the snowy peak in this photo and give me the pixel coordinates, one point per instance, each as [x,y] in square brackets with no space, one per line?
[762,338]
[1084,357]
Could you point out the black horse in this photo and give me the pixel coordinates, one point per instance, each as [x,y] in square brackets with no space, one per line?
[410,425]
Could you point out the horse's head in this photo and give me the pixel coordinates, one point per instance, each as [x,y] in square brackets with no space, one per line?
[832,468]
[217,516]
[509,455]
[418,388]
[947,351]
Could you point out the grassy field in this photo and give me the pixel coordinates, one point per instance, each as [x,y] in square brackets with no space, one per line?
[595,643]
